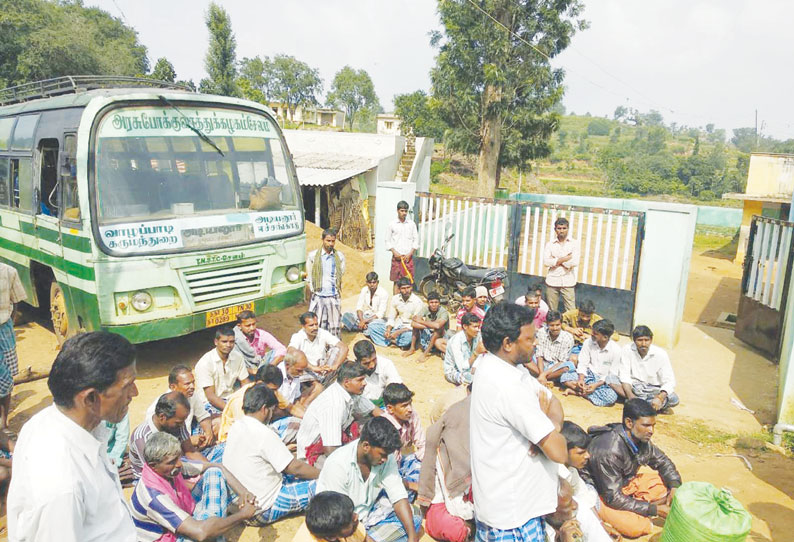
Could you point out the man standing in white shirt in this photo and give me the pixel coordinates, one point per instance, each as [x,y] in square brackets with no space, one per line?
[646,372]
[402,240]
[596,376]
[372,304]
[380,371]
[64,486]
[324,350]
[325,267]
[257,457]
[561,256]
[219,370]
[515,438]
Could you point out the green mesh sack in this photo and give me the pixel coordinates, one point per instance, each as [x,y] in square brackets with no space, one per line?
[702,513]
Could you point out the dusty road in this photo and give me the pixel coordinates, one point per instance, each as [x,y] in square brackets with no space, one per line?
[711,366]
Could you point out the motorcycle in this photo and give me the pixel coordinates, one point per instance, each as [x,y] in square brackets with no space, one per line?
[450,277]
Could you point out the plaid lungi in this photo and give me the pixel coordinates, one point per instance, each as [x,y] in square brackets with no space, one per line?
[409,468]
[214,454]
[329,312]
[383,525]
[212,495]
[287,428]
[533,530]
[8,347]
[603,396]
[6,381]
[294,496]
[649,391]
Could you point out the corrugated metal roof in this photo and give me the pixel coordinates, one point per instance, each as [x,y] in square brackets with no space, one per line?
[308,176]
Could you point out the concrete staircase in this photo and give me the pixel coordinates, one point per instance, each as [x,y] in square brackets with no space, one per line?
[407,160]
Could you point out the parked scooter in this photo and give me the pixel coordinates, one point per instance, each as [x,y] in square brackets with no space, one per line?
[450,277]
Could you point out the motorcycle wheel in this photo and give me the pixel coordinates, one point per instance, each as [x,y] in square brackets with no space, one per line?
[429,284]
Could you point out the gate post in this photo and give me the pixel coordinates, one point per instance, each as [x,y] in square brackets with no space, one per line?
[514,242]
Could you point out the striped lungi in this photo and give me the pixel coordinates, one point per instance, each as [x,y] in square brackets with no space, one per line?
[329,312]
[533,530]
[294,496]
[8,347]
[383,525]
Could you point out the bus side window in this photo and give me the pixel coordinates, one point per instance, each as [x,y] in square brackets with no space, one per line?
[4,182]
[68,172]
[22,183]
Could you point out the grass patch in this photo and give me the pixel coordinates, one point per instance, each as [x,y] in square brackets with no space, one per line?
[701,434]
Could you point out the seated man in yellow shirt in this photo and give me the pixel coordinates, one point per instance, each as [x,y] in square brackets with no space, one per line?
[286,416]
[330,518]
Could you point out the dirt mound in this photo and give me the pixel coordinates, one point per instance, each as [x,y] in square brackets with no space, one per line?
[358,262]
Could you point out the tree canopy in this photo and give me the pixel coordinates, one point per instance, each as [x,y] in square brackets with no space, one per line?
[221,59]
[41,40]
[352,90]
[283,79]
[493,81]
[163,71]
[419,115]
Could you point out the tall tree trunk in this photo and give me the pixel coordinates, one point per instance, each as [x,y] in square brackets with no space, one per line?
[491,142]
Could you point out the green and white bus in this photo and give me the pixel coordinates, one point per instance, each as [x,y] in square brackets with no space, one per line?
[144,209]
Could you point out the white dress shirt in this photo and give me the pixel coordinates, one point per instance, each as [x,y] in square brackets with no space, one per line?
[402,236]
[291,387]
[326,417]
[510,485]
[603,362]
[654,368]
[64,487]
[317,350]
[257,457]
[563,275]
[342,474]
[211,371]
[402,311]
[373,304]
[385,374]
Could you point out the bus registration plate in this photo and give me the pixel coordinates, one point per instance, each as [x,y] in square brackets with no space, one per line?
[227,314]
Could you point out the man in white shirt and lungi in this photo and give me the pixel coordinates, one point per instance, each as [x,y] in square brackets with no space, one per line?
[515,433]
[561,256]
[402,240]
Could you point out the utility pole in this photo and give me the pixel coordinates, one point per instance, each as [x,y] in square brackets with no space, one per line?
[756,128]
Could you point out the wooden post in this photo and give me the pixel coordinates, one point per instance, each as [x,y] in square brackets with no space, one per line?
[317,200]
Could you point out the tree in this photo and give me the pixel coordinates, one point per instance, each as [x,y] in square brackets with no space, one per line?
[251,80]
[418,115]
[41,40]
[620,113]
[494,89]
[353,91]
[221,59]
[599,127]
[292,82]
[163,71]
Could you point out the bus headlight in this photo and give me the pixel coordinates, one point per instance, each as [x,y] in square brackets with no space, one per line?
[141,301]
[293,274]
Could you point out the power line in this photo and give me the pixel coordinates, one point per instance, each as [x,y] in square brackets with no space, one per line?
[650,102]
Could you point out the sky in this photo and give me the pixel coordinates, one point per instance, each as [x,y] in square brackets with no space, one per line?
[695,61]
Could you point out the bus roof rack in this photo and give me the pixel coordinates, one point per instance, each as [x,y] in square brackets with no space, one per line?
[72,84]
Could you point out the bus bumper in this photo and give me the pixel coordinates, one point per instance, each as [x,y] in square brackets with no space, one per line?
[182,325]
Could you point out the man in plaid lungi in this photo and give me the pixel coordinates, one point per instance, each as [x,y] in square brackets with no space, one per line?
[163,508]
[257,456]
[11,293]
[325,267]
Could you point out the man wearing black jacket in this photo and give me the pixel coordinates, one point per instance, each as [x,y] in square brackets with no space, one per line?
[617,452]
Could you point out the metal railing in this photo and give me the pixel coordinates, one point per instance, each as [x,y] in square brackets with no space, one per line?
[78,83]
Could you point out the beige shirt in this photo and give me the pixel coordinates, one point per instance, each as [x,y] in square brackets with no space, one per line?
[11,291]
[401,312]
[563,275]
[211,371]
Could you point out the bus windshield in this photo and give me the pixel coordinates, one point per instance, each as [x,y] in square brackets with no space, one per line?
[160,187]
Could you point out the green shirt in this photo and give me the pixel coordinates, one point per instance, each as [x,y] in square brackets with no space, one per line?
[440,314]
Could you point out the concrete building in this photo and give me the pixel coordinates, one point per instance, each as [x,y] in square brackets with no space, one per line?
[388,124]
[310,115]
[770,183]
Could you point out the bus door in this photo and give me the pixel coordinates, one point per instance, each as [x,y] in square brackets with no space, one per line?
[46,205]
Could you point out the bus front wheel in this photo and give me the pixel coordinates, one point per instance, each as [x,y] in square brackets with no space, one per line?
[60,320]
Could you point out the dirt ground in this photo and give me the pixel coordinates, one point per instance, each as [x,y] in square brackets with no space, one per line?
[712,367]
